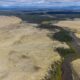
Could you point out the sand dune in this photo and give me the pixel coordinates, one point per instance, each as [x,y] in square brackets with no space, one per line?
[25,51]
[72,24]
[6,20]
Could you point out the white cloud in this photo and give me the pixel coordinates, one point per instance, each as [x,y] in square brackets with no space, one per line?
[40,2]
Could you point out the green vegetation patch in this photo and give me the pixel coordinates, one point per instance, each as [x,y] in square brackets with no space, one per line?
[35,18]
[62,36]
[55,73]
[65,51]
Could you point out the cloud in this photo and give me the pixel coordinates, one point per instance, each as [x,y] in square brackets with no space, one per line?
[40,2]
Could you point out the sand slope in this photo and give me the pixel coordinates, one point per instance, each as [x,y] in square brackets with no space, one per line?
[6,20]
[72,24]
[25,51]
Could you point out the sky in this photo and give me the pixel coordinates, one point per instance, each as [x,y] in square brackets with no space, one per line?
[9,3]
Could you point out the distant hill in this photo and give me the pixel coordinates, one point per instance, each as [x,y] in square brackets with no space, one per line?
[42,8]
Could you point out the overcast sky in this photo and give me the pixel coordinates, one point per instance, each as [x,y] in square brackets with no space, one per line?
[39,2]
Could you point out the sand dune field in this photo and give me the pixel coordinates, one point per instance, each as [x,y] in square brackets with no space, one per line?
[26,52]
[71,24]
[6,20]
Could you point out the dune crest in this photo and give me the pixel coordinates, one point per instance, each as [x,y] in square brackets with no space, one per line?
[9,20]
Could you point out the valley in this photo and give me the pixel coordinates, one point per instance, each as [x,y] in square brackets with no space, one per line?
[39,46]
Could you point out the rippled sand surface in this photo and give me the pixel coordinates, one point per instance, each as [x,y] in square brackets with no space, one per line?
[71,24]
[26,52]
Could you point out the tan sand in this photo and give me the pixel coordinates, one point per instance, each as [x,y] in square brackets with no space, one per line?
[76,69]
[6,20]
[26,52]
[72,24]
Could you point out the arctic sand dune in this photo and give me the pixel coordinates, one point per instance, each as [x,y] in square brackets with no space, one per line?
[26,52]
[76,69]
[71,24]
[6,20]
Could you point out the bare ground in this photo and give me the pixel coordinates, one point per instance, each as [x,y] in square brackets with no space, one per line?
[26,52]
